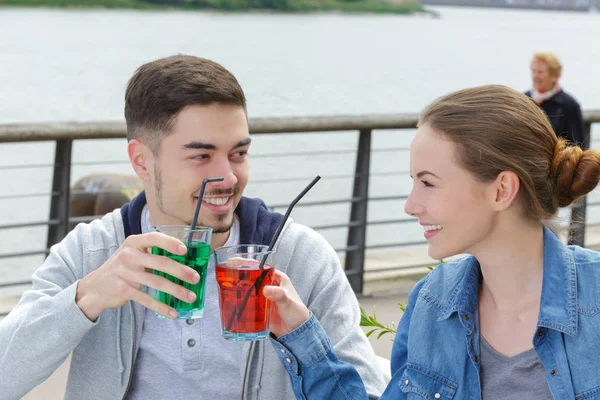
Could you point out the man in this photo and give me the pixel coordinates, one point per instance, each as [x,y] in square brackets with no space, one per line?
[562,109]
[186,121]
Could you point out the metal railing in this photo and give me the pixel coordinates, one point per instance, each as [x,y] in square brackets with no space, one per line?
[65,133]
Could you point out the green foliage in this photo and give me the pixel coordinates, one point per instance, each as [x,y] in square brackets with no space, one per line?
[372,322]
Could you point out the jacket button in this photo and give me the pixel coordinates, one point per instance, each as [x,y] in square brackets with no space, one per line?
[288,360]
[406,382]
[191,343]
[467,318]
[540,333]
[476,359]
[189,321]
[437,395]
[553,372]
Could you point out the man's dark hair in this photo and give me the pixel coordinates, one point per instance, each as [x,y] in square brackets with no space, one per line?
[160,89]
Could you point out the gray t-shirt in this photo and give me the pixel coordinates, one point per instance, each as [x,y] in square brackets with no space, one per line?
[520,377]
[179,359]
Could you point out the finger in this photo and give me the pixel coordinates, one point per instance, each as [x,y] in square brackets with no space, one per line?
[166,265]
[276,294]
[151,303]
[276,280]
[162,284]
[280,277]
[156,239]
[285,283]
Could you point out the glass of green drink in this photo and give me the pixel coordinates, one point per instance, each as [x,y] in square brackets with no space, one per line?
[197,256]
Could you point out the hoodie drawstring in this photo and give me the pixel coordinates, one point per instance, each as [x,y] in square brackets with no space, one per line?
[121,367]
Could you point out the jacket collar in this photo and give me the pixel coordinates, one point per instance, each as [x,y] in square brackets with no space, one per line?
[558,306]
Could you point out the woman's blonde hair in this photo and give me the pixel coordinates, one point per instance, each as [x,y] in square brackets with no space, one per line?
[497,129]
[551,60]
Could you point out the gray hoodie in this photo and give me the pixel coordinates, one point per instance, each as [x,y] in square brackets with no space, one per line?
[47,325]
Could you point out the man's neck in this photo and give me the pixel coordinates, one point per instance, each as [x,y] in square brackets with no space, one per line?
[219,239]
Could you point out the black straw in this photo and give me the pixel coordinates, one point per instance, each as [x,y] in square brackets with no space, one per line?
[200,196]
[263,275]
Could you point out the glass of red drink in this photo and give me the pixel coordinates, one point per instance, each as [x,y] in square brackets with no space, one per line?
[244,309]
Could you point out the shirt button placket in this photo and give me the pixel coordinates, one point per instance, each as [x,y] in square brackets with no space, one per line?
[191,348]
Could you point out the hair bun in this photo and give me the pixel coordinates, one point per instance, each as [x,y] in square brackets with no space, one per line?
[577,172]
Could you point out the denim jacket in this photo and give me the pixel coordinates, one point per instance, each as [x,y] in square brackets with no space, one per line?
[436,350]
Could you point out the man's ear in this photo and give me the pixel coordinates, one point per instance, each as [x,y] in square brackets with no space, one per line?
[141,159]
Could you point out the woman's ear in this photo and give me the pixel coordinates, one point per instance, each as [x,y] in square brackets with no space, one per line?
[506,188]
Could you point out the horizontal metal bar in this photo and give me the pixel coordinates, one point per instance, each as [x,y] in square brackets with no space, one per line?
[24,253]
[101,162]
[262,125]
[390,173]
[52,222]
[11,284]
[303,153]
[380,246]
[392,221]
[318,203]
[403,244]
[389,149]
[334,226]
[386,198]
[301,179]
[330,177]
[27,195]
[254,156]
[400,267]
[74,164]
[256,181]
[85,218]
[347,249]
[340,201]
[30,224]
[24,166]
[93,217]
[356,223]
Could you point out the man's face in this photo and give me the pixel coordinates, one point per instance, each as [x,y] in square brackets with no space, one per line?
[207,141]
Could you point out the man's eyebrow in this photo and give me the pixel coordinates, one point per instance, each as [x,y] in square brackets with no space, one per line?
[196,145]
[243,143]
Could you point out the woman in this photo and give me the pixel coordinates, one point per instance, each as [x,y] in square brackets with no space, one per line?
[561,108]
[519,317]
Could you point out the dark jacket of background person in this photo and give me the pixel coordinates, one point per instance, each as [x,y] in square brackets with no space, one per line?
[564,114]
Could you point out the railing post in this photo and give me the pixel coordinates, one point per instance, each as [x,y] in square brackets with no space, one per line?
[61,181]
[357,234]
[579,209]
